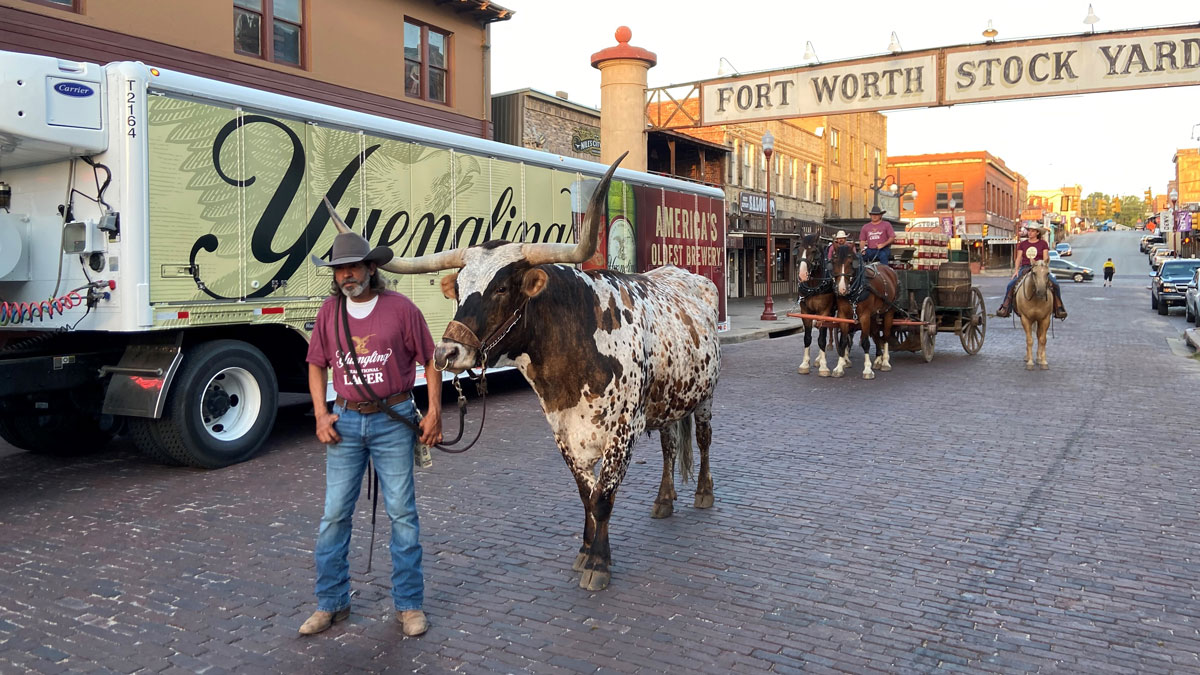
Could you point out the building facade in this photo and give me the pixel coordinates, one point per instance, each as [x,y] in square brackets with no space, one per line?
[346,53]
[540,121]
[963,193]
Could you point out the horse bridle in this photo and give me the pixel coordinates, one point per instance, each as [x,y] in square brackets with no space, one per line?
[825,282]
[855,293]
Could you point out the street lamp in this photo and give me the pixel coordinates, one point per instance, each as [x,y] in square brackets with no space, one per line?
[768,145]
[1091,19]
[896,190]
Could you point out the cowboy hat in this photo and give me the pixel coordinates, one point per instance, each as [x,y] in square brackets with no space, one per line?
[875,210]
[350,248]
[841,234]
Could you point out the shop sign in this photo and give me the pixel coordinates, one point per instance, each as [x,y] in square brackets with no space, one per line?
[751,202]
[586,140]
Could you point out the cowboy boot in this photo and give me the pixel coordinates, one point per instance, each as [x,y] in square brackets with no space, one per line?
[1006,306]
[1060,312]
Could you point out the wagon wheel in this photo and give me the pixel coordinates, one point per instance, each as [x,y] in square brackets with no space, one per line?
[928,329]
[975,323]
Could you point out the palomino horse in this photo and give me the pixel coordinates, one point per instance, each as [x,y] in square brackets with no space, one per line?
[1034,303]
[816,297]
[865,293]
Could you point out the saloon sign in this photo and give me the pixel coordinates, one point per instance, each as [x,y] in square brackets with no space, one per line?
[1136,59]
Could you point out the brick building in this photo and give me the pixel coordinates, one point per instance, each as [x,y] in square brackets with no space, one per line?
[419,61]
[984,192]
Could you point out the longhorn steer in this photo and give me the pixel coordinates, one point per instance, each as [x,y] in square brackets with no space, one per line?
[609,355]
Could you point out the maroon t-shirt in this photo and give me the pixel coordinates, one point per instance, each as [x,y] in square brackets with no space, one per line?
[389,342]
[1040,247]
[876,233]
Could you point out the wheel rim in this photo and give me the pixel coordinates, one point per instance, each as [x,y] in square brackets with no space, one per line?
[928,331]
[230,404]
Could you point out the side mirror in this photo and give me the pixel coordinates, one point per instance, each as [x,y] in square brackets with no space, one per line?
[1152,274]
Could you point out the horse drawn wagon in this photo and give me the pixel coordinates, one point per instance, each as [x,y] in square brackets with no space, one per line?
[938,300]
[932,296]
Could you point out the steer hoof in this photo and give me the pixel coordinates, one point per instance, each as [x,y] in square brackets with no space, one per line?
[594,580]
[662,510]
[580,560]
[704,501]
[803,370]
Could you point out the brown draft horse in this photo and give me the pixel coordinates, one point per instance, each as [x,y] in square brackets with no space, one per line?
[1034,303]
[865,293]
[816,297]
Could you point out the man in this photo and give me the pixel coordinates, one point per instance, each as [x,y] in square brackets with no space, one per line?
[839,239]
[876,237]
[1032,249]
[388,335]
[1110,269]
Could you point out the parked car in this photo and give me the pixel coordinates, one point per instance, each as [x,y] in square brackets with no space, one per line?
[1063,269]
[1160,255]
[1149,240]
[1054,255]
[1167,286]
[1191,299]
[1063,248]
[1154,248]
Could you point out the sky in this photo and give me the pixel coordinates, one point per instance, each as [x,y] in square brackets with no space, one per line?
[1113,142]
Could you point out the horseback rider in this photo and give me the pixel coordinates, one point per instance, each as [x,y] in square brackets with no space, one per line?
[1032,249]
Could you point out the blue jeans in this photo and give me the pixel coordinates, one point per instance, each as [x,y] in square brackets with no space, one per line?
[880,255]
[389,444]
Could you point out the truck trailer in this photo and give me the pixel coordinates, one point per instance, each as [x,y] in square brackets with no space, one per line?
[156,228]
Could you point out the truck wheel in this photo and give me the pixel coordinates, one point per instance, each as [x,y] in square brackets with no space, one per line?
[1163,307]
[221,407]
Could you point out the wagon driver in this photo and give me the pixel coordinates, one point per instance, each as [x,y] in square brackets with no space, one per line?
[1033,248]
[876,237]
[389,336]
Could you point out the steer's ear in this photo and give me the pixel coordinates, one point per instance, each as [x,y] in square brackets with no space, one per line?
[534,282]
[448,283]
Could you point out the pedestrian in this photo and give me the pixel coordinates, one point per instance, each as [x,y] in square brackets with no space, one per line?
[1110,269]
[1032,249]
[389,336]
[876,237]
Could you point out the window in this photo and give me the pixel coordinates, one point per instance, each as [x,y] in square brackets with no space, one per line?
[796,179]
[811,175]
[72,5]
[748,154]
[426,62]
[818,186]
[732,179]
[835,200]
[252,19]
[878,163]
[864,162]
[835,146]
[948,191]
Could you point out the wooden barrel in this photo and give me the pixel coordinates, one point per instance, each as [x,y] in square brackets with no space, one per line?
[954,284]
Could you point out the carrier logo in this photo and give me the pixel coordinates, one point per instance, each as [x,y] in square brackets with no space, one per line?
[74,89]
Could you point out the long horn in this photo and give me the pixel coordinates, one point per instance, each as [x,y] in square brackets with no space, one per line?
[585,247]
[426,263]
[340,224]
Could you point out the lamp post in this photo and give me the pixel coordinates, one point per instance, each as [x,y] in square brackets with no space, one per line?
[953,223]
[768,145]
[897,191]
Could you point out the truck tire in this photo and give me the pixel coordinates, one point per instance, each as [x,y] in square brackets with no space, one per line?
[141,432]
[1163,307]
[221,407]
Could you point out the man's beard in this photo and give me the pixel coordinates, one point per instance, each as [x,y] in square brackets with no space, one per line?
[352,289]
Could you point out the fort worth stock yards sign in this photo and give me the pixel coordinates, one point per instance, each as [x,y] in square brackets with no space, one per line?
[1076,64]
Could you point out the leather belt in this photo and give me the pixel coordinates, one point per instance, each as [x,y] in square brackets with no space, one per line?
[368,407]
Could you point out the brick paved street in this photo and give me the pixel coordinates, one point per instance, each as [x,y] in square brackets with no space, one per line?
[963,515]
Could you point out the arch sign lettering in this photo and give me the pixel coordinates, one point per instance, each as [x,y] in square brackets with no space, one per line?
[1059,66]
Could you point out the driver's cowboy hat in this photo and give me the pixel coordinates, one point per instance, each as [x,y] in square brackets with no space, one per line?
[841,234]
[350,248]
[875,210]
